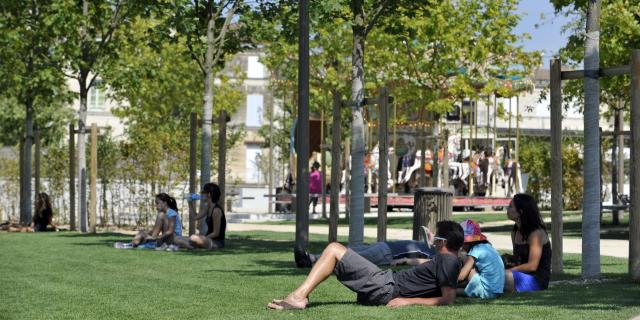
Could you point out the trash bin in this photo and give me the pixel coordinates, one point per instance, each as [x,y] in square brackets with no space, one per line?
[430,205]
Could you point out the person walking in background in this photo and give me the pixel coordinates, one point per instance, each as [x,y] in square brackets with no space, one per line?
[43,216]
[315,185]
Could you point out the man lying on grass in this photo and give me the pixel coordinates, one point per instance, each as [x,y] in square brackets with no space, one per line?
[431,283]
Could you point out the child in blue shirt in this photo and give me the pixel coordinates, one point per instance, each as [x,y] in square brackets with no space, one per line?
[483,267]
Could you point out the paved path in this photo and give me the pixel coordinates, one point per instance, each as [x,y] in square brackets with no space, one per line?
[614,248]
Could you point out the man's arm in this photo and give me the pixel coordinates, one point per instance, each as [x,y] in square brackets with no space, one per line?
[448,297]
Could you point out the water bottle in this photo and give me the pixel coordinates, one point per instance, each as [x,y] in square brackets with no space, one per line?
[191,196]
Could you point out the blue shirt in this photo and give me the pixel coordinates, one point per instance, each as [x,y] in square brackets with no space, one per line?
[490,267]
[178,225]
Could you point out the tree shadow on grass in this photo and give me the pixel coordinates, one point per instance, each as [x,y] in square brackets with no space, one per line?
[574,229]
[603,297]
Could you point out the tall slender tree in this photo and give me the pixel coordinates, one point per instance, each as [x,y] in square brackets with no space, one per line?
[31,34]
[89,47]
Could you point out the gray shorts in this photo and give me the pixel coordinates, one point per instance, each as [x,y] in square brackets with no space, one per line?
[373,286]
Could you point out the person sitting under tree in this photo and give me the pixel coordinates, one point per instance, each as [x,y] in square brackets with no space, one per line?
[432,283]
[43,216]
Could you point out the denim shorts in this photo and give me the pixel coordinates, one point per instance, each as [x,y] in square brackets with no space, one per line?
[476,289]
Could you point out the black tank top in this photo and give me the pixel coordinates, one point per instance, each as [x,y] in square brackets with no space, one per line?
[223,224]
[543,273]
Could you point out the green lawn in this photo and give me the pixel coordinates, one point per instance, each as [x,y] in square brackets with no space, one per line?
[406,222]
[72,276]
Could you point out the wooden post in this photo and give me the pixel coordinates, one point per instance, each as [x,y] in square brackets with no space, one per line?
[620,159]
[394,160]
[94,174]
[336,172]
[302,142]
[445,159]
[222,155]
[324,167]
[517,156]
[383,152]
[37,162]
[556,167]
[193,144]
[72,179]
[347,176]
[423,148]
[634,216]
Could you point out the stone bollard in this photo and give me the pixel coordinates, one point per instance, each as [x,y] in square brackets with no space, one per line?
[431,205]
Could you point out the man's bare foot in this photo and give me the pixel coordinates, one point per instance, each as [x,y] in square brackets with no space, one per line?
[288,303]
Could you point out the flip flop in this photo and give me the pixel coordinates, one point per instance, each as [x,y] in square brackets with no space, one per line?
[282,305]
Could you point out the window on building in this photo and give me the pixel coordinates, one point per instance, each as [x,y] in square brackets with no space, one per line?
[255,104]
[255,69]
[97,97]
[253,164]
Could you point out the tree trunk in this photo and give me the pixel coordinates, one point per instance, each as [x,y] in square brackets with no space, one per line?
[193,144]
[72,180]
[82,160]
[25,178]
[591,194]
[302,141]
[356,218]
[334,203]
[383,156]
[207,115]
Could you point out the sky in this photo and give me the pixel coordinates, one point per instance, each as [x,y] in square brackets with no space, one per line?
[547,37]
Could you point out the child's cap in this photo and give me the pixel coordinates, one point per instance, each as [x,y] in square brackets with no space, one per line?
[472,231]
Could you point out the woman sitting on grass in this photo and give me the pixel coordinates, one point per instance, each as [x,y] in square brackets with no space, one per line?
[167,228]
[531,247]
[215,219]
[43,216]
[483,267]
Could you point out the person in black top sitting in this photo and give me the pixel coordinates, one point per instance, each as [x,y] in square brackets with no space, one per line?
[43,216]
[531,269]
[431,283]
[215,219]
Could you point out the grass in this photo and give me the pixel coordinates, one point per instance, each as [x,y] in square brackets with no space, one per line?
[74,276]
[406,222]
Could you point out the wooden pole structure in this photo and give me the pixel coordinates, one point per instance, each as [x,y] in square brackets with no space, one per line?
[193,144]
[222,157]
[517,156]
[302,141]
[445,159]
[634,216]
[394,159]
[620,167]
[270,174]
[556,167]
[423,148]
[324,166]
[93,200]
[37,162]
[614,163]
[334,203]
[383,152]
[72,179]
[347,176]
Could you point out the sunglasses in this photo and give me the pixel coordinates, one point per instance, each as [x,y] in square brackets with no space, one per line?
[439,238]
